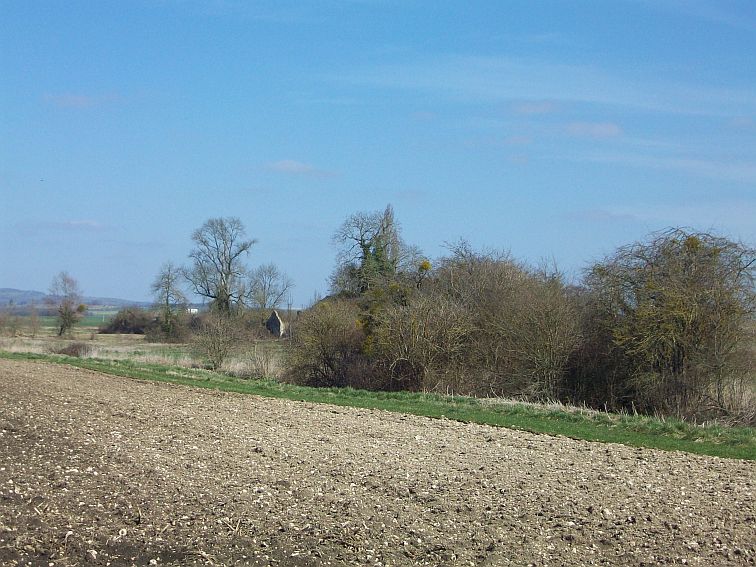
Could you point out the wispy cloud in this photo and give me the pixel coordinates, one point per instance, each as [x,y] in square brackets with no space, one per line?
[293,167]
[732,217]
[743,123]
[270,12]
[742,172]
[423,116]
[596,130]
[507,78]
[712,11]
[70,226]
[411,195]
[518,159]
[518,140]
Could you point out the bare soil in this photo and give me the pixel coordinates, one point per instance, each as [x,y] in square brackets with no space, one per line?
[100,470]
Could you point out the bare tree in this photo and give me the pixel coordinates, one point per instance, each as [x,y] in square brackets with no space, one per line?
[524,325]
[268,286]
[8,320]
[218,272]
[420,342]
[66,295]
[169,298]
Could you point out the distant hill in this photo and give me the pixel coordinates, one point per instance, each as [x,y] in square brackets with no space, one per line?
[20,297]
[23,298]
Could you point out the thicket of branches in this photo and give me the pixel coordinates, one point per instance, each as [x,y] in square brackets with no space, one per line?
[669,327]
[666,325]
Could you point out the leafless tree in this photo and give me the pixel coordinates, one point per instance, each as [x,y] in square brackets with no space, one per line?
[66,296]
[34,323]
[424,342]
[218,271]
[523,325]
[217,337]
[268,287]
[327,348]
[170,300]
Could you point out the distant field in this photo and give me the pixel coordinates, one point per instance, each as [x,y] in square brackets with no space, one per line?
[89,320]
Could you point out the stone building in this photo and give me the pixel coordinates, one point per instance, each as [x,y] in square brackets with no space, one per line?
[275,325]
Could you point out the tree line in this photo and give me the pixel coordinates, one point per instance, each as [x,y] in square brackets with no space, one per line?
[236,295]
[665,325]
[660,326]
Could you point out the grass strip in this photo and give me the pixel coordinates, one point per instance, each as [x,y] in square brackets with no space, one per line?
[633,430]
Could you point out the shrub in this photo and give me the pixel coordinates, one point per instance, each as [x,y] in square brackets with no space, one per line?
[522,325]
[216,337]
[327,347]
[175,329]
[421,344]
[130,320]
[680,311]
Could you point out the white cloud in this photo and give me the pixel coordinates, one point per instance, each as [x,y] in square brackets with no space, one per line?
[423,116]
[743,123]
[600,216]
[518,140]
[712,11]
[81,225]
[294,167]
[63,226]
[730,217]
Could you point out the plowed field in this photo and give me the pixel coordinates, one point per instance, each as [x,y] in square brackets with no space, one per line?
[98,470]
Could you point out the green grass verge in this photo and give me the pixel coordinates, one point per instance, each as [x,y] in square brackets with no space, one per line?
[633,430]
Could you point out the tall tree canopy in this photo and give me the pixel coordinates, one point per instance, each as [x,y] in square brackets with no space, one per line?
[169,298]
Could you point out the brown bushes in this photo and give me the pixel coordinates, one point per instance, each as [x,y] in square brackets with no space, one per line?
[130,320]
[328,346]
[664,326]
[480,324]
[678,312]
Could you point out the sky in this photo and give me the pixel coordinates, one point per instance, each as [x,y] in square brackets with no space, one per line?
[557,130]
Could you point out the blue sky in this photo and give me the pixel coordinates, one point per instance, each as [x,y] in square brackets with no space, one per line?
[557,130]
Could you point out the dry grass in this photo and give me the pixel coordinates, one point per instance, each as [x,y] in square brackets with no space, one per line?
[261,362]
[263,359]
